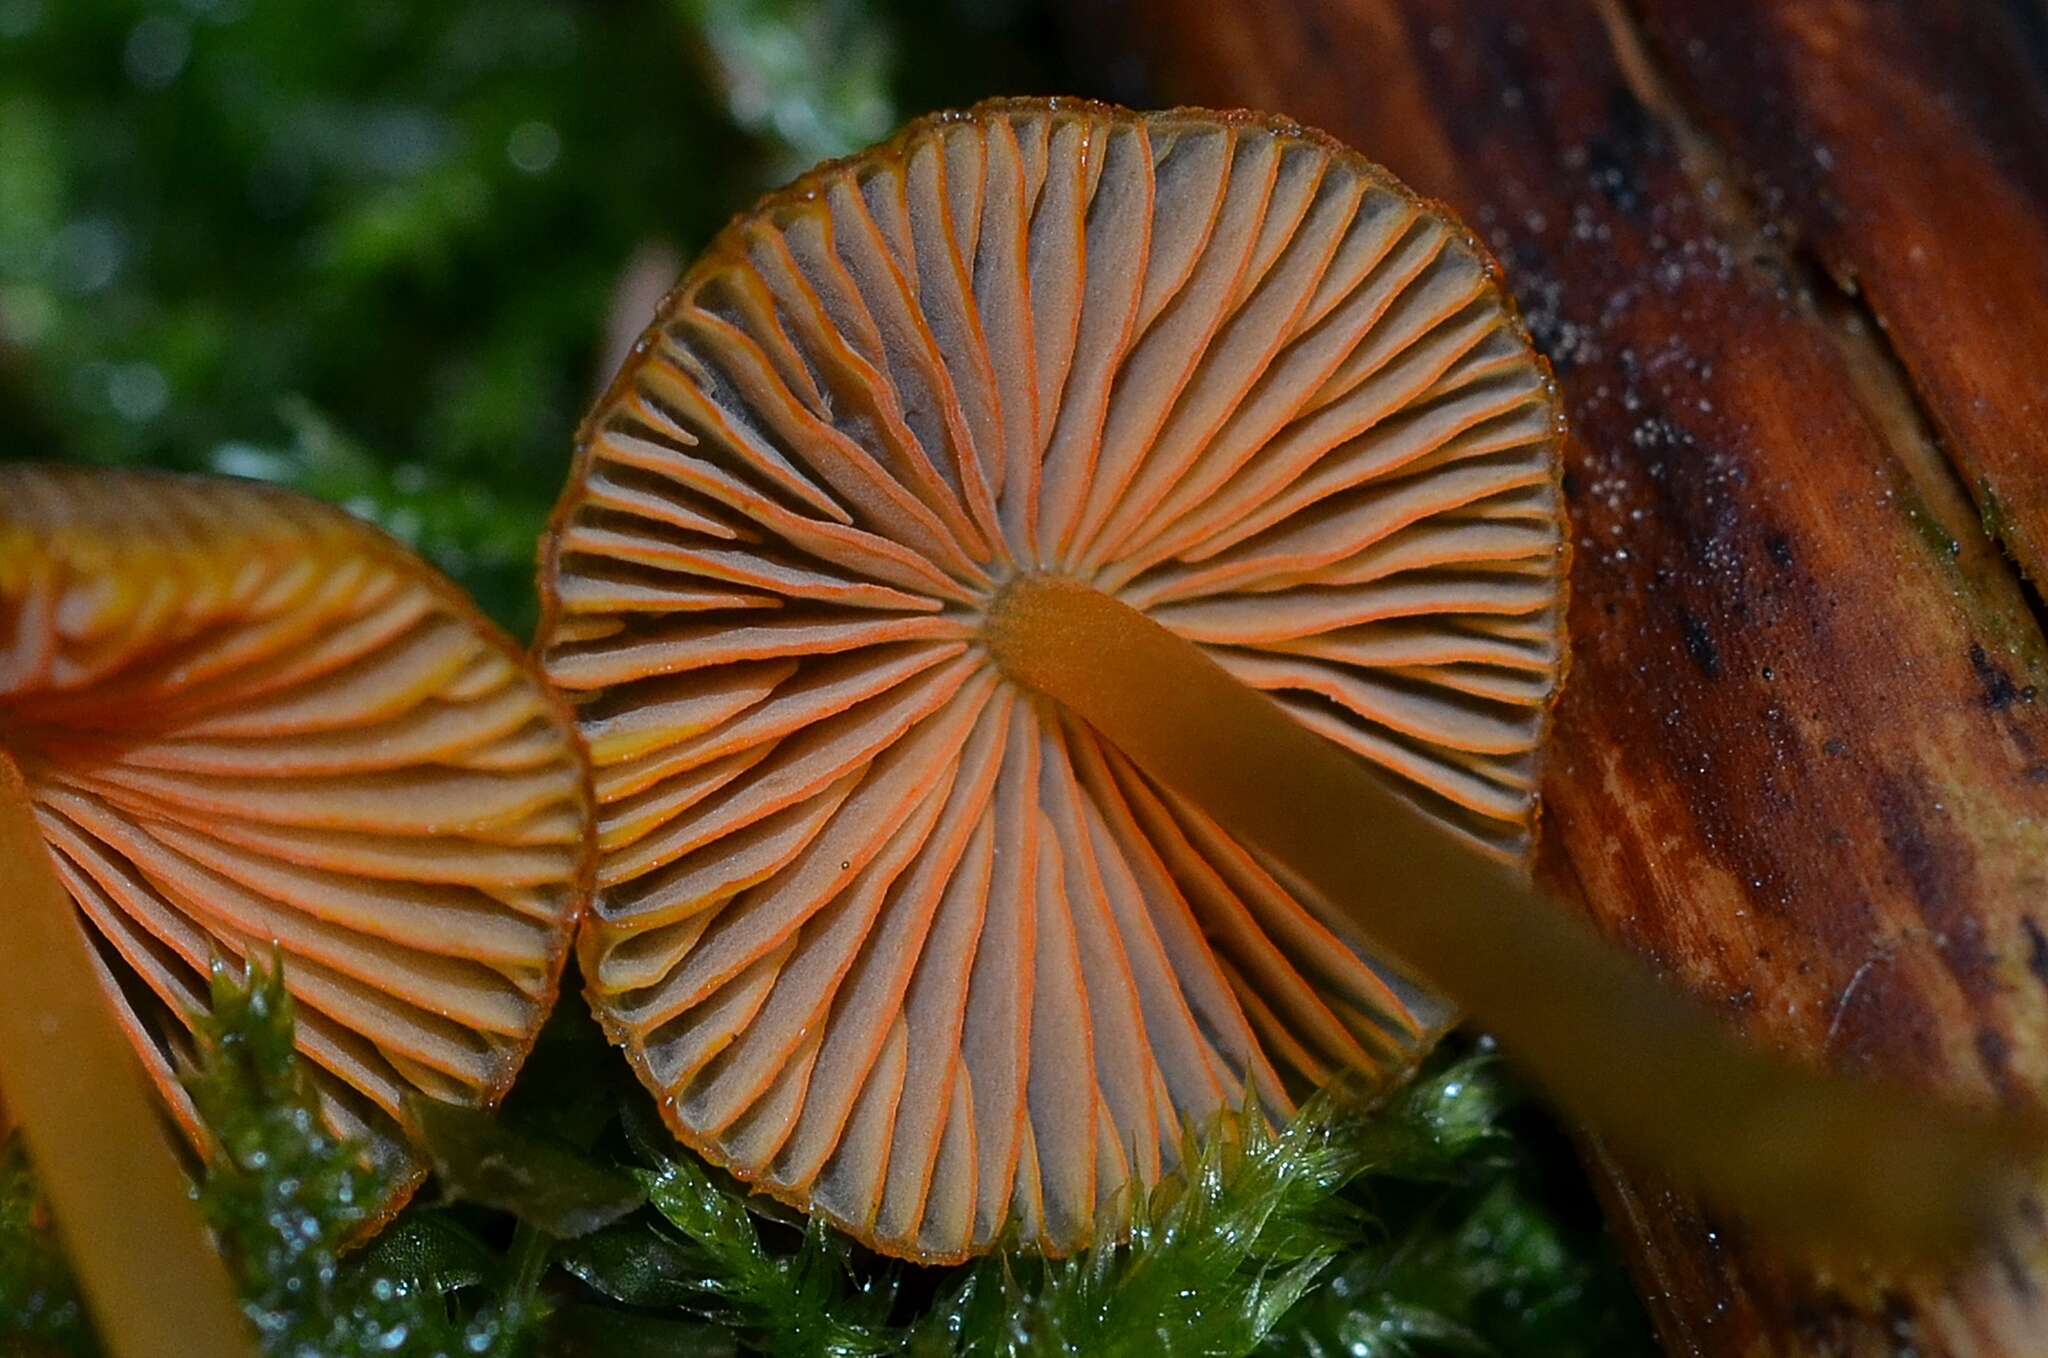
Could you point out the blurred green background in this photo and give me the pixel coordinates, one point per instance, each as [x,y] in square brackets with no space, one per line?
[384,250]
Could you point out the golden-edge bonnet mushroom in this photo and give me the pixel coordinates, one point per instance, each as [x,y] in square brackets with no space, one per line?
[249,722]
[890,936]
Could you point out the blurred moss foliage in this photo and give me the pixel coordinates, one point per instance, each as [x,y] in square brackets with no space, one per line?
[371,249]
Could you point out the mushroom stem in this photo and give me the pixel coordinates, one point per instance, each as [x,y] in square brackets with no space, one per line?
[1805,1152]
[155,1284]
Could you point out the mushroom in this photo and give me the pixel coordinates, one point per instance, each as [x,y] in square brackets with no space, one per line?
[242,722]
[917,583]
[892,936]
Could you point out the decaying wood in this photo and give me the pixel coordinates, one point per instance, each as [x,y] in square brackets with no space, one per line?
[1908,146]
[1802,765]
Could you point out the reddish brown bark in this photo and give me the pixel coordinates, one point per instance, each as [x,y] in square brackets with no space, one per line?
[1908,145]
[1802,765]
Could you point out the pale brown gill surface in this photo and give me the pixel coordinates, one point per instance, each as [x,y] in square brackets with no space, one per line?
[888,936]
[248,722]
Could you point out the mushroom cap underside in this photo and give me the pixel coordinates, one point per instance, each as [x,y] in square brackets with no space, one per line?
[249,722]
[889,937]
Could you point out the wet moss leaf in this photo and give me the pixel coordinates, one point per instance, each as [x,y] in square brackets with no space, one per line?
[595,1332]
[431,1250]
[632,1264]
[555,1190]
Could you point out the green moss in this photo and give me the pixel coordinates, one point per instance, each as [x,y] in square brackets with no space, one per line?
[1940,544]
[1415,1228]
[1992,512]
[40,1312]
[1980,586]
[570,1224]
[284,1196]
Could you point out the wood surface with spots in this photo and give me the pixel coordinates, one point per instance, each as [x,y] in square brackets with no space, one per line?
[1788,261]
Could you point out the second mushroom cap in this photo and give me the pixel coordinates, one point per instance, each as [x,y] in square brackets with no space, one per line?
[249,723]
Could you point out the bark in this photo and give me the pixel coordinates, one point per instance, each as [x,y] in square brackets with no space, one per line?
[1790,262]
[1907,145]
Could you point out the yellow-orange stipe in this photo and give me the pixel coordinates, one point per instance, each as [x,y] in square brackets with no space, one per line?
[148,1271]
[889,936]
[250,722]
